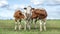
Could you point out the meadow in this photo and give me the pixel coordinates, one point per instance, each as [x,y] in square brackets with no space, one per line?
[7,27]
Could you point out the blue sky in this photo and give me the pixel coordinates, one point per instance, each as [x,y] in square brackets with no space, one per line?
[7,7]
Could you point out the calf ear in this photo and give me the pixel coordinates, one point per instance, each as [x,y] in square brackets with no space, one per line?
[20,13]
[25,8]
[32,9]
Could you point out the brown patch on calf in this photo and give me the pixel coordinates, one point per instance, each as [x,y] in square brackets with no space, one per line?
[39,13]
[18,15]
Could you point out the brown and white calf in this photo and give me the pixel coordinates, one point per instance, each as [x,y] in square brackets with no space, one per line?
[19,16]
[28,14]
[41,15]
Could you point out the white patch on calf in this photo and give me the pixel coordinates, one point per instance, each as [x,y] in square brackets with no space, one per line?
[28,10]
[40,25]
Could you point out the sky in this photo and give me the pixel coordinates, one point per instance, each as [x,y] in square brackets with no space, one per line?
[8,7]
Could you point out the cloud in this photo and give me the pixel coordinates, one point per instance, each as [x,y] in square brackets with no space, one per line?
[46,2]
[17,6]
[36,2]
[58,1]
[6,14]
[53,2]
[3,3]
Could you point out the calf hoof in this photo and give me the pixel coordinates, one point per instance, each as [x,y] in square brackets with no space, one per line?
[40,31]
[29,28]
[19,29]
[15,30]
[24,29]
[44,30]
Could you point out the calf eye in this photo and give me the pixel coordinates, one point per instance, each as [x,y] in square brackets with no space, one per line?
[25,8]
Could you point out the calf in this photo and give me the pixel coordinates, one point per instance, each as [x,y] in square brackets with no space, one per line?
[41,15]
[18,15]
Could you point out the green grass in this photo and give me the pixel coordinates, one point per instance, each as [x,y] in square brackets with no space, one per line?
[7,27]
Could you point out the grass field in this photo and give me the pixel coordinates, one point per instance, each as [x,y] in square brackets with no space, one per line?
[7,27]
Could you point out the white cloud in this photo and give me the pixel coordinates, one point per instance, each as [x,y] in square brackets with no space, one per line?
[3,3]
[53,2]
[36,2]
[57,1]
[6,14]
[21,6]
[17,6]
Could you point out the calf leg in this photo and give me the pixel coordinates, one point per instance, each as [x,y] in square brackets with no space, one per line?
[34,22]
[28,25]
[15,25]
[44,26]
[19,24]
[40,25]
[25,25]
